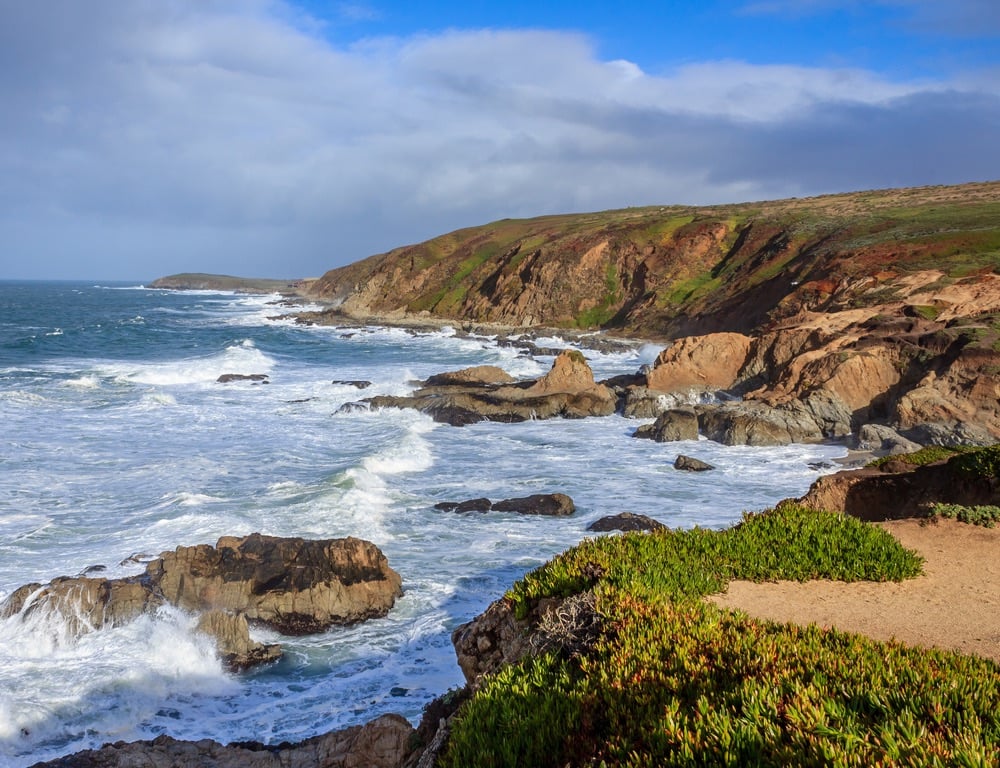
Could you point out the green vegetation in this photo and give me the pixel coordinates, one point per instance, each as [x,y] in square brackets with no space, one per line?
[595,317]
[924,456]
[670,680]
[978,462]
[985,515]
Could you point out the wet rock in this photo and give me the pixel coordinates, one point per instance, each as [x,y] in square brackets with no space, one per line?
[480,374]
[551,504]
[296,586]
[382,743]
[676,424]
[689,464]
[232,639]
[257,378]
[356,383]
[625,521]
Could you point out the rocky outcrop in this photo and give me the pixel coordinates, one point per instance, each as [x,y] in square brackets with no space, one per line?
[465,397]
[292,585]
[385,742]
[625,521]
[550,504]
[709,362]
[755,423]
[900,490]
[479,374]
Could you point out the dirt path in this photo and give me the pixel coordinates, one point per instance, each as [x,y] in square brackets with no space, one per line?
[954,605]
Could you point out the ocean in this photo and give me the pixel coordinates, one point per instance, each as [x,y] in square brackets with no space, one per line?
[118,441]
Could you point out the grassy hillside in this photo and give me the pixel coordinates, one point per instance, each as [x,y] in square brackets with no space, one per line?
[660,271]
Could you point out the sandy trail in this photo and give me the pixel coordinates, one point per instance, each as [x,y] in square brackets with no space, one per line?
[954,605]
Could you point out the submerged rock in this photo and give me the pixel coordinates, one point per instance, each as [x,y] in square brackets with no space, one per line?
[256,378]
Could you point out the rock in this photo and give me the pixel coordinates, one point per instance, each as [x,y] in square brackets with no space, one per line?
[356,383]
[293,585]
[872,494]
[480,374]
[625,521]
[470,505]
[676,424]
[490,641]
[232,638]
[551,504]
[382,743]
[882,439]
[689,464]
[950,433]
[568,390]
[710,362]
[227,378]
[754,423]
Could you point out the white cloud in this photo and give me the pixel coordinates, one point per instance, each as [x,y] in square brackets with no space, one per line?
[229,136]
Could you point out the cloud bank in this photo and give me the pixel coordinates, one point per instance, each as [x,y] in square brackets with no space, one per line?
[140,138]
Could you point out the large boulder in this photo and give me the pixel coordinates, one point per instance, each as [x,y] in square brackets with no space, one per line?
[385,742]
[674,425]
[625,521]
[755,423]
[691,464]
[550,504]
[296,586]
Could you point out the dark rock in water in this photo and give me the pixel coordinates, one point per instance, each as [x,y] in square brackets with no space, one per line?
[446,506]
[94,569]
[552,504]
[625,521]
[676,424]
[295,586]
[356,383]
[689,464]
[470,505]
[228,378]
[397,691]
[353,408]
[385,742]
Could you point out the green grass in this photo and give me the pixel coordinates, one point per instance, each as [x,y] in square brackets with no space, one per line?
[674,681]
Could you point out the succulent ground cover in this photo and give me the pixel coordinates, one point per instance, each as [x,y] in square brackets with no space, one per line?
[659,677]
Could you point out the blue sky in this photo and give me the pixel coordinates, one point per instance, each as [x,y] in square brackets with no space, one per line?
[285,137]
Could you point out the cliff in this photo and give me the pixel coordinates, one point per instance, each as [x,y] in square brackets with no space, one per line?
[667,272]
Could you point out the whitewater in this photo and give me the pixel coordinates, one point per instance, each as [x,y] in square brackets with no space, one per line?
[118,443]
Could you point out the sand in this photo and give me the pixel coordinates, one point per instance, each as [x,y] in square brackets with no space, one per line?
[955,605]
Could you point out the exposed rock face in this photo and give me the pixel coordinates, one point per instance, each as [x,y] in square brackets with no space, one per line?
[753,423]
[903,491]
[711,362]
[690,464]
[568,390]
[625,521]
[490,641]
[479,374]
[382,743]
[885,440]
[674,425]
[293,585]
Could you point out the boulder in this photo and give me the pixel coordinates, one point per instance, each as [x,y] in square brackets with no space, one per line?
[470,505]
[551,504]
[676,424]
[494,639]
[385,742]
[884,440]
[625,521]
[755,423]
[295,586]
[689,464]
[356,383]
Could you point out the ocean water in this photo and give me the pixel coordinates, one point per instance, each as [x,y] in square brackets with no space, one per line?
[117,441]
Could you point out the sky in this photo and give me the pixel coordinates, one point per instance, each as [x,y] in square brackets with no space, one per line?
[282,138]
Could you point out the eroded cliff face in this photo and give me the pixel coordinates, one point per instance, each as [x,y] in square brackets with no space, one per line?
[669,272]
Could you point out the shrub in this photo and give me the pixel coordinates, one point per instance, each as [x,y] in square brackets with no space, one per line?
[987,516]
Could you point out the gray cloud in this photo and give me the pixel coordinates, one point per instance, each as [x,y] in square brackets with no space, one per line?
[140,138]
